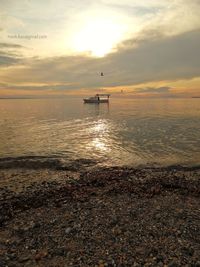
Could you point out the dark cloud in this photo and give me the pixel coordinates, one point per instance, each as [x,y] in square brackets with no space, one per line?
[9,45]
[145,36]
[9,54]
[6,61]
[168,58]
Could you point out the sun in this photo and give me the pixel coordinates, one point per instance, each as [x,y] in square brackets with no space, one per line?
[98,37]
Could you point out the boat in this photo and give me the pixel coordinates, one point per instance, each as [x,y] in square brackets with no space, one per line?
[98,98]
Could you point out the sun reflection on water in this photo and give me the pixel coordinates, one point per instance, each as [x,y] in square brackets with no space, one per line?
[99,144]
[100,136]
[101,126]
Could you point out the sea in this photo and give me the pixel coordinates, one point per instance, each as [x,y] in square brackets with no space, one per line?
[125,132]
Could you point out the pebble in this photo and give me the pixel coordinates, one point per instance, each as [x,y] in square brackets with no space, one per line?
[173,264]
[24,259]
[68,230]
[105,229]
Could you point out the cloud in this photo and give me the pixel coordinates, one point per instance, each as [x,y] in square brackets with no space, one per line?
[161,58]
[10,45]
[6,61]
[154,90]
[168,17]
[155,59]
[171,16]
[9,54]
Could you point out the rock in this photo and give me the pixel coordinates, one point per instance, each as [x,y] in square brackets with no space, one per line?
[12,256]
[159,258]
[188,251]
[68,230]
[24,259]
[59,251]
[2,263]
[159,264]
[173,264]
[40,255]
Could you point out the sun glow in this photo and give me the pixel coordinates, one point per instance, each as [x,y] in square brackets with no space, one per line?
[98,37]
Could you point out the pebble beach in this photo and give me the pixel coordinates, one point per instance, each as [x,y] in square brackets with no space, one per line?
[99,216]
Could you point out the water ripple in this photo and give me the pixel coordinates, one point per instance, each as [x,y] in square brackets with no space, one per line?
[125,132]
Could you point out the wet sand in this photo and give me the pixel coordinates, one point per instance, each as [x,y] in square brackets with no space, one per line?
[79,216]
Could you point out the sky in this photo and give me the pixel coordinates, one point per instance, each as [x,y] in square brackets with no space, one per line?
[59,47]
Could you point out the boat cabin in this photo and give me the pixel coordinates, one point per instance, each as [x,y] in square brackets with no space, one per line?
[98,98]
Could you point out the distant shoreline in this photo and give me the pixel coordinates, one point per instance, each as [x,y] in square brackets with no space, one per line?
[113,96]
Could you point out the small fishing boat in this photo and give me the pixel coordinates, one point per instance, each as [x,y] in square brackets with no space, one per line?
[98,98]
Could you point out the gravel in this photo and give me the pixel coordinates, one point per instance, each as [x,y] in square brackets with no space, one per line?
[116,216]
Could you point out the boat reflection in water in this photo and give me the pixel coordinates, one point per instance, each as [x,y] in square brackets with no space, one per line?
[98,98]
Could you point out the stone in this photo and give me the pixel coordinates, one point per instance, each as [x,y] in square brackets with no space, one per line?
[68,230]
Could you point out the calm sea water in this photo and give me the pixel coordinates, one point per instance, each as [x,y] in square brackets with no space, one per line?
[127,131]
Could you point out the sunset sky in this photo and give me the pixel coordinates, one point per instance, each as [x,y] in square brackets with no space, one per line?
[60,47]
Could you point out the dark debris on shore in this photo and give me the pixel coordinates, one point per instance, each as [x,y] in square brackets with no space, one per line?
[115,216]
